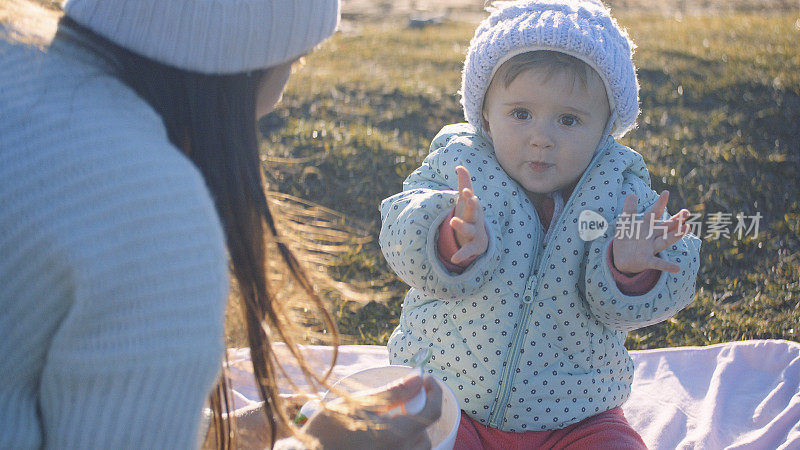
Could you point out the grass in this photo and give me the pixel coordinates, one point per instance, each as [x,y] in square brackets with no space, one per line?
[720,128]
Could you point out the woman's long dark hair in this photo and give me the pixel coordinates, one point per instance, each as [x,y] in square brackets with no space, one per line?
[211,118]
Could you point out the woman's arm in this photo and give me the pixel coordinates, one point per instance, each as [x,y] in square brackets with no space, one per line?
[333,429]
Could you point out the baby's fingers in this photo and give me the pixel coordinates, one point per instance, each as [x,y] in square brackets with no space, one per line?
[657,210]
[465,229]
[671,230]
[662,264]
[628,213]
[472,239]
[674,234]
[629,205]
[464,181]
[467,252]
[680,216]
[677,219]
[471,206]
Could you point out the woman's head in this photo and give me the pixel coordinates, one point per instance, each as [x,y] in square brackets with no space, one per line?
[269,88]
[211,36]
[215,37]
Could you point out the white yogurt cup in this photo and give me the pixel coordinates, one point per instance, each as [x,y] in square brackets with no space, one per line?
[442,433]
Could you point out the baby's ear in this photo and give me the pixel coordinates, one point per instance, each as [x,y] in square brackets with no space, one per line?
[485,123]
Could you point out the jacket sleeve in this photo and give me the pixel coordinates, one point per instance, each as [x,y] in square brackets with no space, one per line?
[410,230]
[672,292]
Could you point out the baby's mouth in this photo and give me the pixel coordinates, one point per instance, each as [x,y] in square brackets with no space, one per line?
[539,166]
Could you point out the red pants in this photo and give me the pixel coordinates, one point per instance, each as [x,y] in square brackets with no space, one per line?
[607,430]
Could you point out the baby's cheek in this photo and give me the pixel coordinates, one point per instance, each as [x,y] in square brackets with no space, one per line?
[572,172]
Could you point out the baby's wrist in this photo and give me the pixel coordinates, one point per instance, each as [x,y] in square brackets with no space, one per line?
[614,265]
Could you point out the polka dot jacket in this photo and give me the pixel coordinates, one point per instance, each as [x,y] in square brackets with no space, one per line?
[530,336]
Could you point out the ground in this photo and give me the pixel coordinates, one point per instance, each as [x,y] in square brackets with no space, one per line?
[720,128]
[720,100]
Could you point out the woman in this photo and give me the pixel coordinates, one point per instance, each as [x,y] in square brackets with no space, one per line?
[128,170]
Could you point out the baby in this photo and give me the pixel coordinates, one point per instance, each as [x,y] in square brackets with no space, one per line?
[525,313]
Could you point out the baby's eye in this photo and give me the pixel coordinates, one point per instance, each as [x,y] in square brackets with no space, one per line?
[521,114]
[568,120]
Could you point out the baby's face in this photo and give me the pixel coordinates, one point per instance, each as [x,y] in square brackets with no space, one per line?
[545,130]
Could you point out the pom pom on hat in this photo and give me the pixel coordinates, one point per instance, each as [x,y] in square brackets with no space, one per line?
[580,28]
[211,36]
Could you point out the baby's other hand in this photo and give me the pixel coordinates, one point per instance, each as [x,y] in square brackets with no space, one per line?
[467,222]
[634,249]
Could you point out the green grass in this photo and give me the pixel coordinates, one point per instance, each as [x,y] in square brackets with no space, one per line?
[720,128]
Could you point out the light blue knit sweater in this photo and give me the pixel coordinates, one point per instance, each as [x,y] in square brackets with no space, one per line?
[113,273]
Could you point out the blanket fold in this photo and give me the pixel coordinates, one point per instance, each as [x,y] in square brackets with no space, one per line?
[736,395]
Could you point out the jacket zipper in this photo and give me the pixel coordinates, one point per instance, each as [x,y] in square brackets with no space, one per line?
[495,416]
[497,413]
[498,410]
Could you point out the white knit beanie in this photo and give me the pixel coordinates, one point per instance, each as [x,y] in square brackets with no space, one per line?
[580,28]
[211,36]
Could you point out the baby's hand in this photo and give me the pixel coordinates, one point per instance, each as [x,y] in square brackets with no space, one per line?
[467,222]
[634,251]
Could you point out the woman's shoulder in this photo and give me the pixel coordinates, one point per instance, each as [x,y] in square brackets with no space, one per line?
[64,103]
[79,145]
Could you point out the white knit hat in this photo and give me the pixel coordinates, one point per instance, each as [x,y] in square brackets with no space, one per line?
[211,36]
[580,28]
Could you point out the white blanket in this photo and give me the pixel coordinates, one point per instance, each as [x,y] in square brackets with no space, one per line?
[733,395]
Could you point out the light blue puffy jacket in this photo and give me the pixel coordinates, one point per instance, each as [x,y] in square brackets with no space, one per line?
[530,336]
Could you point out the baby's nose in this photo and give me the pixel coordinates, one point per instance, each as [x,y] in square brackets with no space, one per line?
[540,137]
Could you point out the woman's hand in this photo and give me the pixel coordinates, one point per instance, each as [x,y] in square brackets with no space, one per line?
[363,429]
[634,250]
[467,222]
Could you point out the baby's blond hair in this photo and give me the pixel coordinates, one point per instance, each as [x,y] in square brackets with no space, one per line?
[548,63]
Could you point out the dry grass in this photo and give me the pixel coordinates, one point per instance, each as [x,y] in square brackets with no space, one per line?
[719,129]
